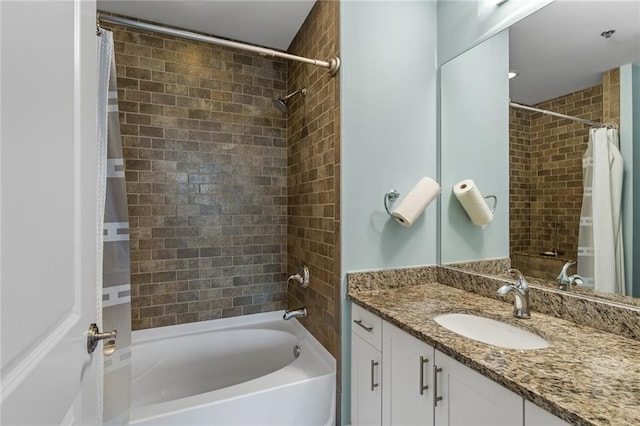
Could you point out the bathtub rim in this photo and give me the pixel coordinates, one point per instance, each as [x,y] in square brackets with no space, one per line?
[177,330]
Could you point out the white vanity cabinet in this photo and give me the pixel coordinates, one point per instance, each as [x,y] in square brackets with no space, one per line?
[366,367]
[536,416]
[398,380]
[407,377]
[465,397]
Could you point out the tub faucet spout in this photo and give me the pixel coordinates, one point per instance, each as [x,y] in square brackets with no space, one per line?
[293,313]
[521,293]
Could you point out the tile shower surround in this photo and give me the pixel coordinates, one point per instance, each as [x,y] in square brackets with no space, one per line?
[313,176]
[542,191]
[313,180]
[191,113]
[206,170]
[554,187]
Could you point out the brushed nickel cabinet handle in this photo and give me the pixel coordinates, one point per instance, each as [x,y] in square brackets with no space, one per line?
[436,398]
[423,387]
[374,385]
[359,322]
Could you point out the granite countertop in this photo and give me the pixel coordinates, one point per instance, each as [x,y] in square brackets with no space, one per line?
[586,376]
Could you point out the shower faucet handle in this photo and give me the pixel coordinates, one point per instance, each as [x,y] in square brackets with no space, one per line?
[302,276]
[303,272]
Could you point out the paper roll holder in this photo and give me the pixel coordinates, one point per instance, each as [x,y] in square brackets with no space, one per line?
[391,195]
[495,199]
[495,202]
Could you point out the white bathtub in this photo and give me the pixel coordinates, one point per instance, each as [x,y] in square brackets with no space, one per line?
[234,371]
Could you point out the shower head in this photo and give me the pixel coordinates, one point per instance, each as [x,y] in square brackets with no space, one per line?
[281,103]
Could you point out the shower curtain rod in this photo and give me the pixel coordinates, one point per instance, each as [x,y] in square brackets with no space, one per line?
[556,114]
[332,64]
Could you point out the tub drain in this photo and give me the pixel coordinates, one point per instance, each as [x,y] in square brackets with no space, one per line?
[296,351]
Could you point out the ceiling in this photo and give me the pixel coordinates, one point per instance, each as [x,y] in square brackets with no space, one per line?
[268,23]
[559,50]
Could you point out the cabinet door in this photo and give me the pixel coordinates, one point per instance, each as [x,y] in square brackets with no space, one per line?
[536,416]
[407,375]
[366,388]
[470,399]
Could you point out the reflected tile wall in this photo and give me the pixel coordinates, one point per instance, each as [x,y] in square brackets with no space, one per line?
[546,162]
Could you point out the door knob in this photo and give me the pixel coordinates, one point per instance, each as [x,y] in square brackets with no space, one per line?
[94,336]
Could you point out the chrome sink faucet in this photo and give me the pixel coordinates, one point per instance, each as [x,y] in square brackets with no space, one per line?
[521,292]
[565,281]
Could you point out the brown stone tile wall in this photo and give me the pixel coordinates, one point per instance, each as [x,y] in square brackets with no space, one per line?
[611,96]
[313,177]
[555,154]
[519,180]
[206,171]
[557,147]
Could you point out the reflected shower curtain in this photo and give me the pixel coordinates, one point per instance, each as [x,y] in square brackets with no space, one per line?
[116,289]
[600,253]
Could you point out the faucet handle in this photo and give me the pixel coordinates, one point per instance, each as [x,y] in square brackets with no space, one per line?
[563,276]
[522,281]
[576,279]
[301,277]
[515,271]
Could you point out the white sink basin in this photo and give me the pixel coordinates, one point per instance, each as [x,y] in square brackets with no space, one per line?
[490,331]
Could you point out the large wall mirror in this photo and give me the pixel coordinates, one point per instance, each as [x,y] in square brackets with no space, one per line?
[576,58]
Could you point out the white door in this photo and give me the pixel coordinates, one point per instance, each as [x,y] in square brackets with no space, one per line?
[48,211]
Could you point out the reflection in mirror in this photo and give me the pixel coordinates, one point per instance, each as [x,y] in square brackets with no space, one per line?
[567,58]
[564,64]
[474,111]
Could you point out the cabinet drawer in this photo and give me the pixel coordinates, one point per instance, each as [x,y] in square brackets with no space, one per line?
[367,325]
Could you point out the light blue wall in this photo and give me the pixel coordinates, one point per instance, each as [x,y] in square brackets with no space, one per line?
[474,91]
[388,86]
[475,119]
[389,106]
[629,140]
[464,23]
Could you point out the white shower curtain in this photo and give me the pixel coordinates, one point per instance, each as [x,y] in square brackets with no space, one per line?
[600,255]
[113,241]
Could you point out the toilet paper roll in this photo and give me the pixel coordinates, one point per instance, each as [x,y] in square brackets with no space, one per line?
[474,204]
[412,206]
